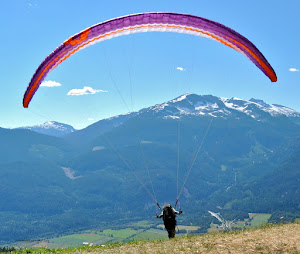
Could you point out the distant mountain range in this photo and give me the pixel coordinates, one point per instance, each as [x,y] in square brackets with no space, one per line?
[185,105]
[243,157]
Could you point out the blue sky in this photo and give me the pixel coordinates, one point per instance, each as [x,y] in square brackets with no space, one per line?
[141,69]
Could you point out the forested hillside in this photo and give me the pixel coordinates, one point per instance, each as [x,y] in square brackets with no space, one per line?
[229,156]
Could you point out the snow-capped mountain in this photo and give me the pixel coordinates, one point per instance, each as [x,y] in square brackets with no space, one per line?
[184,105]
[208,105]
[51,128]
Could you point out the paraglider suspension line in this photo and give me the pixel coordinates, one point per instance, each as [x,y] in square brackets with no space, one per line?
[131,169]
[137,132]
[193,161]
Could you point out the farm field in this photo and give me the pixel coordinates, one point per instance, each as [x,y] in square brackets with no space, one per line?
[258,219]
[141,230]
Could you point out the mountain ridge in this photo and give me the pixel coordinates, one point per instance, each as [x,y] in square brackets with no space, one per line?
[222,107]
[184,105]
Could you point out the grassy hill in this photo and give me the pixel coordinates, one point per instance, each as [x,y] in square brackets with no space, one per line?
[280,238]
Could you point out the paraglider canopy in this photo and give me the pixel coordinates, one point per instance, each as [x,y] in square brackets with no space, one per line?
[148,22]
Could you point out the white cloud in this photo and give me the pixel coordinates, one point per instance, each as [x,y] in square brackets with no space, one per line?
[293,69]
[50,83]
[180,69]
[85,90]
[97,148]
[146,142]
[91,119]
[32,5]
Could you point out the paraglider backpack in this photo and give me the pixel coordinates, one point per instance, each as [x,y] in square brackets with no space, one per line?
[168,214]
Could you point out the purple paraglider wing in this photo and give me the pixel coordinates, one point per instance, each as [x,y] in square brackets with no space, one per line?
[148,22]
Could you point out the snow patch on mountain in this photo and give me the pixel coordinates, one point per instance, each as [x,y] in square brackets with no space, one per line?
[180,98]
[171,117]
